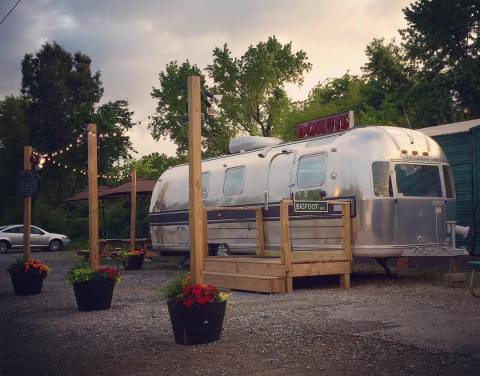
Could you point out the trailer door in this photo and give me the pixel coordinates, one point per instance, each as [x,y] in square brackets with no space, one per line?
[278,187]
[419,205]
[279,177]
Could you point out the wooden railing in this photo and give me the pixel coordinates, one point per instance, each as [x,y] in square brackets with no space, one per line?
[314,255]
[297,263]
[260,242]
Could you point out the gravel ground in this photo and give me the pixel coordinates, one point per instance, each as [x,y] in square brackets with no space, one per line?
[381,326]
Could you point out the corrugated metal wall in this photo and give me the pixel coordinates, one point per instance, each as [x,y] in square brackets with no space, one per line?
[475,135]
[463,153]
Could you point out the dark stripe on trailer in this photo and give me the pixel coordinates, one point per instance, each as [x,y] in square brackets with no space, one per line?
[180,217]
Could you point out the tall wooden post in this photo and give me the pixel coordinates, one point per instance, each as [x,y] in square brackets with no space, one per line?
[196,216]
[93,197]
[27,207]
[286,251]
[133,209]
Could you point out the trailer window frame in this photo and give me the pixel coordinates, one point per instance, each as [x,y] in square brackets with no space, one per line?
[448,174]
[324,169]
[390,184]
[421,164]
[205,184]
[231,193]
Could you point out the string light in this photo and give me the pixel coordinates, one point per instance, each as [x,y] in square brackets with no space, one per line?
[82,138]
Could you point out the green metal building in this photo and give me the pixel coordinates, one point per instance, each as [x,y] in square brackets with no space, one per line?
[461,143]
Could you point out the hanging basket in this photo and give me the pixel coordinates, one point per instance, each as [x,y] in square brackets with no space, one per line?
[94,295]
[133,262]
[27,283]
[198,324]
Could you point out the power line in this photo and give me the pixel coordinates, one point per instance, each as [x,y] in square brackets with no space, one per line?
[11,10]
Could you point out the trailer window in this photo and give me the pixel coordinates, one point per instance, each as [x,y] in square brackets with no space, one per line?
[382,181]
[416,180]
[234,181]
[205,182]
[449,186]
[311,170]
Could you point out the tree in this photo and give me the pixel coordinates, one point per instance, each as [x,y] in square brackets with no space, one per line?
[61,92]
[253,86]
[442,38]
[349,92]
[14,135]
[171,117]
[114,119]
[151,166]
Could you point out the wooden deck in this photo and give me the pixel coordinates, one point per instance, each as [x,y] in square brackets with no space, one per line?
[273,272]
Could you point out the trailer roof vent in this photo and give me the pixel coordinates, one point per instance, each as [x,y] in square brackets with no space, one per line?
[246,143]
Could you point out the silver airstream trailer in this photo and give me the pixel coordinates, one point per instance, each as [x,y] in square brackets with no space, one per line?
[398,181]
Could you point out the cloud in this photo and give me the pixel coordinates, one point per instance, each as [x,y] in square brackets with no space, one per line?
[130,42]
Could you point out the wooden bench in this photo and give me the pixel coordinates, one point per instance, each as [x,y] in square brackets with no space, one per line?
[112,247]
[86,254]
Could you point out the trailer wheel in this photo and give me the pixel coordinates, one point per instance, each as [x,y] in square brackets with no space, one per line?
[223,250]
[213,249]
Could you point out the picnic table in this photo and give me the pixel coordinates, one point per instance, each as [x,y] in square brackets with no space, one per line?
[112,247]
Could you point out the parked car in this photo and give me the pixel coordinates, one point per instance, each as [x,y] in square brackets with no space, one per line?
[11,236]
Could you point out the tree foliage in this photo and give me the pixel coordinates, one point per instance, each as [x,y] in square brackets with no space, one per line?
[13,135]
[60,95]
[151,166]
[253,86]
[171,117]
[442,38]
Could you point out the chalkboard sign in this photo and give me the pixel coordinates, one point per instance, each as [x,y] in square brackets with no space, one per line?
[27,183]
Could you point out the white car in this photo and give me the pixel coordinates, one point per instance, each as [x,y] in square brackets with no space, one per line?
[11,236]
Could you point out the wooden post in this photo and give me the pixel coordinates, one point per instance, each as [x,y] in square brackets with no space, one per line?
[27,207]
[196,221]
[93,197]
[205,232]
[260,232]
[347,247]
[133,209]
[286,252]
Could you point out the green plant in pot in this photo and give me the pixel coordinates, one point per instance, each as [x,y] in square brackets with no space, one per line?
[196,311]
[132,259]
[27,277]
[93,288]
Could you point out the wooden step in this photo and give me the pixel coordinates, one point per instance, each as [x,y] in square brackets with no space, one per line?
[300,269]
[245,265]
[245,282]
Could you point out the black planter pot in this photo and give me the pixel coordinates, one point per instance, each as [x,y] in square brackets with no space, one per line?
[199,324]
[27,283]
[133,262]
[94,295]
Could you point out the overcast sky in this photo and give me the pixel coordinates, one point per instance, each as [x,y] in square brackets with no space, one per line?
[131,41]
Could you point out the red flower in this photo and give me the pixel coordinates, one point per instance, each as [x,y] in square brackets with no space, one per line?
[198,294]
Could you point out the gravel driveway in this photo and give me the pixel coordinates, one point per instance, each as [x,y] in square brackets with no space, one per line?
[381,326]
